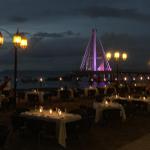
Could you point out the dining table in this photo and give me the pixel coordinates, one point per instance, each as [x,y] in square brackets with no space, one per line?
[60,119]
[101,106]
[144,99]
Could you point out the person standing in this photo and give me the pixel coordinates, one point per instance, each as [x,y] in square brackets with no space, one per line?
[6,86]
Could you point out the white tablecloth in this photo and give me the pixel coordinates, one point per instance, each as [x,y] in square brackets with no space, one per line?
[102,106]
[147,100]
[60,120]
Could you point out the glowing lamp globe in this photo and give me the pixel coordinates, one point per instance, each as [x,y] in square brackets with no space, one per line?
[116,55]
[60,78]
[108,56]
[41,79]
[1,39]
[24,43]
[124,56]
[17,39]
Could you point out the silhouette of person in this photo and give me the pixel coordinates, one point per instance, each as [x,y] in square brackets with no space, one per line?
[6,86]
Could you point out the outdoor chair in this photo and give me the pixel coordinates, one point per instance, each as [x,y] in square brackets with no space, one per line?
[47,97]
[73,130]
[4,132]
[85,123]
[65,94]
[111,117]
[33,99]
[47,131]
[91,93]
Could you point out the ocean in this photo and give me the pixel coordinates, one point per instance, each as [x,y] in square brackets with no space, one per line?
[30,79]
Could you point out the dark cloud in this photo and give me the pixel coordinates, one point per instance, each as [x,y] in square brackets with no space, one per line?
[70,50]
[18,19]
[98,11]
[75,46]
[124,40]
[46,19]
[137,48]
[56,35]
[59,47]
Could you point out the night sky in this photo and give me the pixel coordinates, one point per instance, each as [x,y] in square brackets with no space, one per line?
[59,31]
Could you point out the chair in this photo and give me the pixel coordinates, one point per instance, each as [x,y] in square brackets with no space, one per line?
[99,98]
[141,106]
[47,131]
[111,117]
[64,94]
[4,132]
[90,113]
[80,92]
[123,91]
[85,122]
[33,99]
[21,95]
[73,130]
[47,97]
[144,106]
[110,91]
[20,110]
[18,122]
[91,93]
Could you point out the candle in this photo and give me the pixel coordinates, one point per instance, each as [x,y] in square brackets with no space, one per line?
[50,111]
[59,112]
[41,109]
[129,96]
[144,97]
[106,102]
[61,88]
[35,91]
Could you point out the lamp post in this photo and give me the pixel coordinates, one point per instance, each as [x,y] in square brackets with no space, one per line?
[117,56]
[19,41]
[41,82]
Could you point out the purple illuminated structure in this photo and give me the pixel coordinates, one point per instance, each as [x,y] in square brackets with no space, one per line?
[94,58]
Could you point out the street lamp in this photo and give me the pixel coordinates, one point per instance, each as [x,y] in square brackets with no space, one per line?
[1,39]
[108,55]
[117,56]
[19,41]
[41,81]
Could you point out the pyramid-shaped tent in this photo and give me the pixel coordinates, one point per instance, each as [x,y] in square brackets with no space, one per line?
[94,58]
